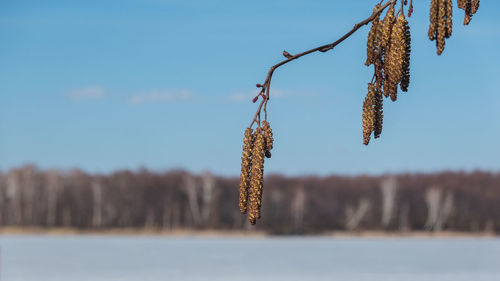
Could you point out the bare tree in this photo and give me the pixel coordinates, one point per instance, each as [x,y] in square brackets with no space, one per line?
[433,199]
[29,194]
[97,216]
[439,208]
[3,200]
[388,188]
[13,197]
[445,211]
[208,195]
[191,190]
[404,218]
[53,187]
[297,207]
[354,216]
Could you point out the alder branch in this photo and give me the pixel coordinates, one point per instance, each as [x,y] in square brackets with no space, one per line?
[264,93]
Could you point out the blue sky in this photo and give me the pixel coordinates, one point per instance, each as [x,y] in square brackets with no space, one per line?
[107,85]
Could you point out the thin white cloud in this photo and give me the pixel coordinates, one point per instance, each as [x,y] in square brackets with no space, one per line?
[86,93]
[161,97]
[242,96]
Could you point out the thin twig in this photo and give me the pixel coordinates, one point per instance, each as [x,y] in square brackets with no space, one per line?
[267,83]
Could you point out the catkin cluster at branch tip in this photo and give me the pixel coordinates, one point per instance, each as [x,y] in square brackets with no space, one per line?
[256,177]
[256,145]
[470,7]
[390,54]
[246,164]
[371,44]
[441,24]
[268,136]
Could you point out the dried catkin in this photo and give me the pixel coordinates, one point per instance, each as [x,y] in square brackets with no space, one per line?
[441,28]
[368,114]
[246,164]
[268,136]
[470,7]
[433,20]
[395,58]
[449,16]
[379,114]
[256,178]
[380,56]
[405,80]
[387,27]
[385,40]
[371,44]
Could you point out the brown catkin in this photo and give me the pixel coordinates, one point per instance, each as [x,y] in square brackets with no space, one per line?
[449,18]
[371,44]
[387,27]
[385,40]
[433,20]
[379,114]
[256,178]
[470,7]
[405,80]
[369,113]
[380,57]
[468,14]
[379,71]
[441,28]
[246,164]
[268,136]
[395,58]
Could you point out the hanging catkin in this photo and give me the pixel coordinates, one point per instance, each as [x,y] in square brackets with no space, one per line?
[268,136]
[368,114]
[433,18]
[246,164]
[449,16]
[470,7]
[379,114]
[256,178]
[405,80]
[371,44]
[441,27]
[387,27]
[395,58]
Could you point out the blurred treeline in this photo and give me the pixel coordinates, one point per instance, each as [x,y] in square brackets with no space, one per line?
[178,200]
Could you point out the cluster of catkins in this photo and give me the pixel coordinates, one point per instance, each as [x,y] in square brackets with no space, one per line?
[388,49]
[256,145]
[441,23]
[470,7]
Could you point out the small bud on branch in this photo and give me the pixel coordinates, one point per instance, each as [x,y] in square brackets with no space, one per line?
[287,54]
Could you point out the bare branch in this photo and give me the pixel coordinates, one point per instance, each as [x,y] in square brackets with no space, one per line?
[267,83]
